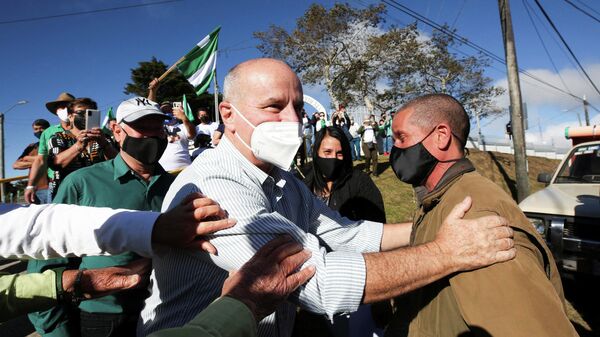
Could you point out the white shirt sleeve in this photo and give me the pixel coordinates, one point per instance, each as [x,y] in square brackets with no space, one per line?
[48,231]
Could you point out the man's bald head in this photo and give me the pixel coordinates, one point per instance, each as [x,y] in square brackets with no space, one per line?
[433,109]
[250,68]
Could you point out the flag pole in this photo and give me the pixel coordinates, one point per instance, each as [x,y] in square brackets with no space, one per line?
[171,68]
[216,94]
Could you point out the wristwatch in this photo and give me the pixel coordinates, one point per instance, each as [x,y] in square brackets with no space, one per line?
[60,292]
[77,295]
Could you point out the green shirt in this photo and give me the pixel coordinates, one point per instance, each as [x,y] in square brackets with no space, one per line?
[113,184]
[43,148]
[225,317]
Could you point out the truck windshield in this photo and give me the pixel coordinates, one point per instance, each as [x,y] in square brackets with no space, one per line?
[582,167]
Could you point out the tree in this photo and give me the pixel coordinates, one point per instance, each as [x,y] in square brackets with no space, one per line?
[435,69]
[172,87]
[362,63]
[322,48]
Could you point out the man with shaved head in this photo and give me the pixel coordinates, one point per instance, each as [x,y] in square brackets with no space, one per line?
[247,174]
[521,297]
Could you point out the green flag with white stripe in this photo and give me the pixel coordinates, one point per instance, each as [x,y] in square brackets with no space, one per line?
[187,110]
[200,63]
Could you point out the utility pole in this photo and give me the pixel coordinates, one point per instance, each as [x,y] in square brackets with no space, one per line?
[514,90]
[2,176]
[480,144]
[585,110]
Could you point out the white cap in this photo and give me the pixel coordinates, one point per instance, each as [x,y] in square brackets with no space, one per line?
[136,108]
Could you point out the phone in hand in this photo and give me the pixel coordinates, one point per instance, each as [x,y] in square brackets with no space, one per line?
[176,104]
[92,119]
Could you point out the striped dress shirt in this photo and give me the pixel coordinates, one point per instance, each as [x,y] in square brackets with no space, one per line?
[184,282]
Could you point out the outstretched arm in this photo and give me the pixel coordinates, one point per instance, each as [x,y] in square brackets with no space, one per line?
[459,245]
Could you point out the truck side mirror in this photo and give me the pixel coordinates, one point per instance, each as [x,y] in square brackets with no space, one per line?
[544,178]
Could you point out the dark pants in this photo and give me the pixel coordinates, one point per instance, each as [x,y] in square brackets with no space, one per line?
[107,325]
[370,154]
[380,145]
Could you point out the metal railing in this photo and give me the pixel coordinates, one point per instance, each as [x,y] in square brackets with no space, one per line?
[14,196]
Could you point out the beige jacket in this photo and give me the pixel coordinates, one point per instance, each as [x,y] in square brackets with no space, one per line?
[521,297]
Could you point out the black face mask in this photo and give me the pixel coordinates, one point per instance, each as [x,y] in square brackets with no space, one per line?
[79,121]
[414,164]
[37,134]
[146,150]
[205,119]
[330,167]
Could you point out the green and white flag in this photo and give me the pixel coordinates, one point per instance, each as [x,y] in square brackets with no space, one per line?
[187,110]
[200,63]
[109,116]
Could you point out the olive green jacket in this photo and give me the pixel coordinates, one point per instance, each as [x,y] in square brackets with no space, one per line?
[521,297]
[225,317]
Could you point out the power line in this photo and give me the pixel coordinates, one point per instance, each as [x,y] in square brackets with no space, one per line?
[462,39]
[588,7]
[526,5]
[38,18]
[558,43]
[566,45]
[462,6]
[582,11]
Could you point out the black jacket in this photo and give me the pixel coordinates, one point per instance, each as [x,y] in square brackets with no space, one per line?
[356,197]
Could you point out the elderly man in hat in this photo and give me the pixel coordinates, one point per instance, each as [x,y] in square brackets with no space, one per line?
[40,166]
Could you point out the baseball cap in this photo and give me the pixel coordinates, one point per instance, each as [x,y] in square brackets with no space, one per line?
[136,108]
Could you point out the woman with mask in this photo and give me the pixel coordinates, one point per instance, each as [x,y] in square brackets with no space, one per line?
[344,189]
[352,193]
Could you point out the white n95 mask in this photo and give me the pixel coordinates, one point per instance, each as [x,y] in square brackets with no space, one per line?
[274,142]
[63,114]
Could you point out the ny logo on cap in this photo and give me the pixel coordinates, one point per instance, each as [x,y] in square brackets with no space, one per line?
[142,101]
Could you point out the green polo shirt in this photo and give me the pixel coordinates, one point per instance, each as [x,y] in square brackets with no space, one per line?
[43,148]
[113,184]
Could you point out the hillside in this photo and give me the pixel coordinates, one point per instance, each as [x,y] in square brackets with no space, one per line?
[499,167]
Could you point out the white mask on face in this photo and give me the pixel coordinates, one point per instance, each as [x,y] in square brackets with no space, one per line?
[274,142]
[62,114]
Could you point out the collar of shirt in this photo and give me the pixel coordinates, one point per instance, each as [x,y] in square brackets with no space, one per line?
[430,199]
[228,151]
[122,170]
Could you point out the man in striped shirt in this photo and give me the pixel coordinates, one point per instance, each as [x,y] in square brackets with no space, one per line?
[245,174]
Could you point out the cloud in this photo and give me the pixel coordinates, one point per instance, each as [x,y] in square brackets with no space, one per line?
[549,111]
[538,94]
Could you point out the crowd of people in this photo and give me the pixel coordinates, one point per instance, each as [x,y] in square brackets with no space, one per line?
[243,247]
[368,140]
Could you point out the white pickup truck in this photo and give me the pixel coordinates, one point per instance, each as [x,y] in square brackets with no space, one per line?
[567,211]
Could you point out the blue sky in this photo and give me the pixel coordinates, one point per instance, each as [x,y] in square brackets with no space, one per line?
[92,54]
